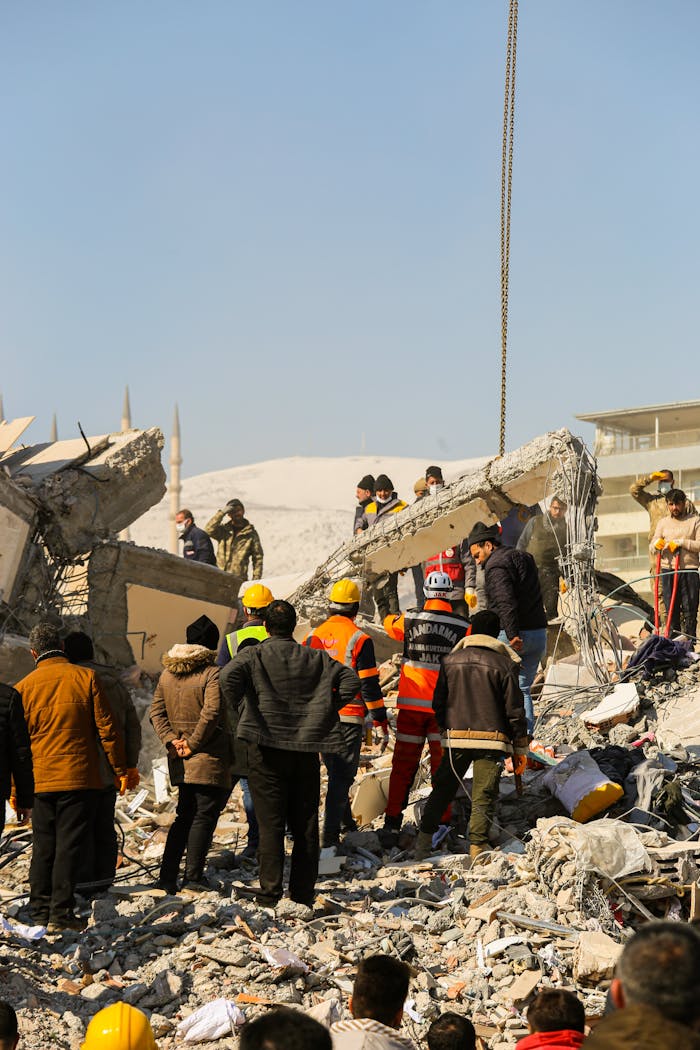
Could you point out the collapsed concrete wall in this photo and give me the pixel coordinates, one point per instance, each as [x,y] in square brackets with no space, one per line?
[114,566]
[91,494]
[18,514]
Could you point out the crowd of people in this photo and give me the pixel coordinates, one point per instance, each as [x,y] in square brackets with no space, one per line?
[258,707]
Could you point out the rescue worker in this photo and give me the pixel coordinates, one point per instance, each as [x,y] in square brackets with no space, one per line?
[119,1027]
[340,638]
[256,599]
[546,537]
[238,543]
[479,706]
[386,501]
[679,532]
[655,505]
[427,636]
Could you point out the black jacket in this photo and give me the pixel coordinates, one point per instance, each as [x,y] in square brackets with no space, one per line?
[287,696]
[198,546]
[15,749]
[513,591]
[477,698]
[358,523]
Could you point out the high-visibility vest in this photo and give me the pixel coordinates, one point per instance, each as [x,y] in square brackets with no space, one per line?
[256,631]
[427,635]
[344,641]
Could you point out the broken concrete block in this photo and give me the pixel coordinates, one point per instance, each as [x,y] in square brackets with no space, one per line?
[595,956]
[621,705]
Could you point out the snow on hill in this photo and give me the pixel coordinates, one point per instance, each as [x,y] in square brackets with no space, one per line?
[302,506]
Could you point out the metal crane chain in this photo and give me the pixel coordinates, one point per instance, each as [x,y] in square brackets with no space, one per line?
[506,184]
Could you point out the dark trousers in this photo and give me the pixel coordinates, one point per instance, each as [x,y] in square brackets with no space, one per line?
[386,597]
[286,790]
[342,769]
[61,825]
[486,773]
[253,829]
[549,585]
[100,849]
[198,809]
[684,616]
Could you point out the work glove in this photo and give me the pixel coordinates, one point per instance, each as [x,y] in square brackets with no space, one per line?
[562,587]
[132,779]
[120,783]
[656,476]
[675,545]
[660,544]
[13,800]
[384,726]
[519,764]
[471,599]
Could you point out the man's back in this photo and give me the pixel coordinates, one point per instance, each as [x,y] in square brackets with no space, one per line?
[513,590]
[643,1028]
[65,707]
[292,694]
[365,1034]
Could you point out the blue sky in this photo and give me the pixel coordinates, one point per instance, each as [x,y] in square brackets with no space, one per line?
[285,218]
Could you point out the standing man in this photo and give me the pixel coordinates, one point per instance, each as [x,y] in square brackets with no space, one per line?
[513,593]
[66,711]
[385,502]
[101,851]
[364,494]
[427,637]
[187,715]
[238,542]
[479,707]
[340,638]
[546,537]
[679,530]
[285,698]
[15,757]
[196,544]
[655,504]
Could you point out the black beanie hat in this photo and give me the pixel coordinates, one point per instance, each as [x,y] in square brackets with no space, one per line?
[434,472]
[203,632]
[483,532]
[367,482]
[383,483]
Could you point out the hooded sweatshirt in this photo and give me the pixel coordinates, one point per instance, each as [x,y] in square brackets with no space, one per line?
[564,1039]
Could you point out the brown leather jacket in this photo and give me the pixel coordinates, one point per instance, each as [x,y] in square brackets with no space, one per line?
[66,711]
[187,703]
[477,701]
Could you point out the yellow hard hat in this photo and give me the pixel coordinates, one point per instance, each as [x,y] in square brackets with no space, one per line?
[257,596]
[119,1027]
[345,592]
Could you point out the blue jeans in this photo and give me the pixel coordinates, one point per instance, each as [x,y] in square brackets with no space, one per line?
[534,648]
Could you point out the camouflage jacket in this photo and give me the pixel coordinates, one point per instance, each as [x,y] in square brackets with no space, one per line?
[236,547]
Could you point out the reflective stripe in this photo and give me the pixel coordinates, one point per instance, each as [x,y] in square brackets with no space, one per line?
[435,617]
[434,736]
[415,701]
[354,719]
[421,666]
[352,642]
[371,672]
[404,738]
[372,705]
[257,631]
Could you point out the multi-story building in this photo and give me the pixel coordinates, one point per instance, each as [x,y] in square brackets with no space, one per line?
[628,443]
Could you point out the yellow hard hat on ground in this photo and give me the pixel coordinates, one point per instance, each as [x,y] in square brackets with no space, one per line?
[344,592]
[257,596]
[119,1027]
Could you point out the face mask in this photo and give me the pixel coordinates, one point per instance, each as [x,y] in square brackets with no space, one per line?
[434,489]
[180,526]
[383,499]
[664,487]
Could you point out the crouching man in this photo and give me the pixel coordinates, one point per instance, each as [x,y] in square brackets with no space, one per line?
[480,709]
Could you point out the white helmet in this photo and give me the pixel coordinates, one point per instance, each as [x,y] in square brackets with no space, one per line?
[437,585]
